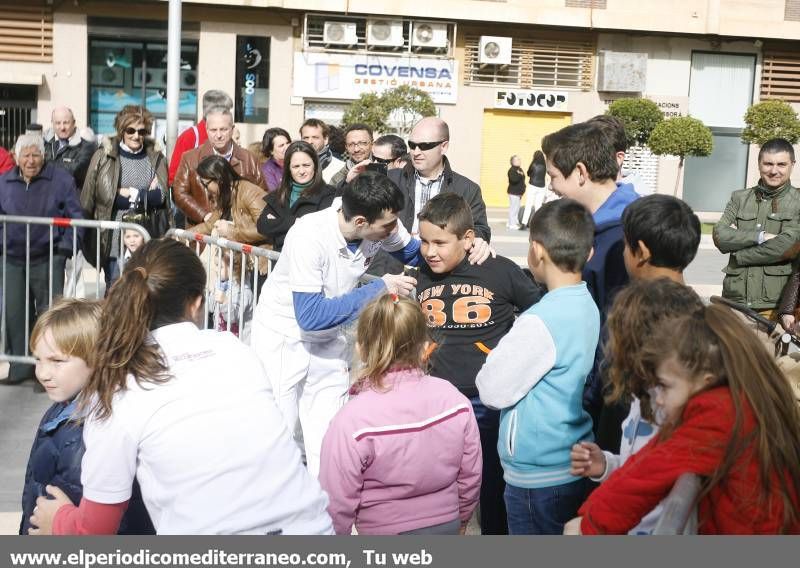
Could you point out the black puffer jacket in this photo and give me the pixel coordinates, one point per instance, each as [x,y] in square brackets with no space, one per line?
[56,460]
[75,156]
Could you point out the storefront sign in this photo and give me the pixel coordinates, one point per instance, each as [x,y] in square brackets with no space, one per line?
[670,106]
[531,100]
[252,79]
[345,76]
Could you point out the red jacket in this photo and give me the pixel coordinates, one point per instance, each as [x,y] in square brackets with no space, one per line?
[696,446]
[187,140]
[6,161]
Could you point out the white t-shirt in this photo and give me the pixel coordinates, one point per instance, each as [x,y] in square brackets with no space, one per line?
[315,258]
[209,447]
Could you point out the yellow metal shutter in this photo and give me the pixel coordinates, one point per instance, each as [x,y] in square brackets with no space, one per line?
[509,132]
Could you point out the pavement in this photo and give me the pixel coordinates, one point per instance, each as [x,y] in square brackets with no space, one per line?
[21,408]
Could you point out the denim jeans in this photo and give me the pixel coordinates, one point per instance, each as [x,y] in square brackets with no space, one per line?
[492,510]
[544,510]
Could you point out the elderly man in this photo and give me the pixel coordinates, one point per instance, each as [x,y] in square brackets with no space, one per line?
[194,136]
[316,133]
[760,229]
[188,190]
[36,189]
[68,148]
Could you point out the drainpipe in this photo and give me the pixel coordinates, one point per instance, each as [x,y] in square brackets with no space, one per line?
[173,72]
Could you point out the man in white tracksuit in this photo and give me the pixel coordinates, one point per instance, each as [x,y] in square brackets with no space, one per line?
[299,323]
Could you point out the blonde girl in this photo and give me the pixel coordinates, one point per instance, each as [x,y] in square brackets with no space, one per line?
[404,454]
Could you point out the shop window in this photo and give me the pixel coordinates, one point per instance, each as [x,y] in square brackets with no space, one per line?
[130,72]
[542,63]
[26,33]
[780,75]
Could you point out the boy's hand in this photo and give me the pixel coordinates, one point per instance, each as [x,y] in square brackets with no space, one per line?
[45,511]
[399,284]
[480,251]
[588,460]
[573,527]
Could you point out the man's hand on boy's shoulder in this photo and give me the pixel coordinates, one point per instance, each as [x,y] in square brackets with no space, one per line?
[480,251]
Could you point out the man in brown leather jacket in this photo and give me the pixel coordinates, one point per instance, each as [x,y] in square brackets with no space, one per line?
[187,190]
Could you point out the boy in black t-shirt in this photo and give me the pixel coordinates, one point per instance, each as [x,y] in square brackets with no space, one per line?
[469,308]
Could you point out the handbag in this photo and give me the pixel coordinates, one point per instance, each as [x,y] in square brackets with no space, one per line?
[155,221]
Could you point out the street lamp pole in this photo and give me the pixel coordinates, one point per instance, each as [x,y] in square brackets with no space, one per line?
[173,72]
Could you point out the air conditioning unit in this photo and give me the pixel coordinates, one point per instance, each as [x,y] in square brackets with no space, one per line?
[388,33]
[495,50]
[429,34]
[339,33]
[154,78]
[109,76]
[188,79]
[622,72]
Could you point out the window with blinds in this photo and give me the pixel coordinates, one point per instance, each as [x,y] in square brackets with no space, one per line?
[780,74]
[543,63]
[26,33]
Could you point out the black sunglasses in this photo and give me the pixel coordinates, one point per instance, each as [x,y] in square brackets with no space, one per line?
[130,131]
[386,161]
[424,145]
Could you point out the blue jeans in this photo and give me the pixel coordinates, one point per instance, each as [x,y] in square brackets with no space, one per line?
[493,511]
[544,510]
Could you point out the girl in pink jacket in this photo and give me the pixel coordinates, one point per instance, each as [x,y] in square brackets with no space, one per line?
[404,455]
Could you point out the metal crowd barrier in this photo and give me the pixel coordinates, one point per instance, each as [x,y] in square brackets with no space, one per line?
[680,513]
[52,223]
[217,245]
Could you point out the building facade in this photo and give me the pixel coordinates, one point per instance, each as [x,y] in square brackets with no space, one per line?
[503,73]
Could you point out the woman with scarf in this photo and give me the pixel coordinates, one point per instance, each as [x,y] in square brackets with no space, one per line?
[302,191]
[127,173]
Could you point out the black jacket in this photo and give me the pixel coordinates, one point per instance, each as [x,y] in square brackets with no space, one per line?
[74,157]
[516,181]
[55,459]
[276,219]
[453,182]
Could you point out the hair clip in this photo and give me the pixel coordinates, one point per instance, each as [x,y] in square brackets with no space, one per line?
[395,298]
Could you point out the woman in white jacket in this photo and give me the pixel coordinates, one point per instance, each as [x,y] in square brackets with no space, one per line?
[206,442]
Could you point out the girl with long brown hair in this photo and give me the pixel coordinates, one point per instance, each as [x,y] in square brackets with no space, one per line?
[403,456]
[729,416]
[209,446]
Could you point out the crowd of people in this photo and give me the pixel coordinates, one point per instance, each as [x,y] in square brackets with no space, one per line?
[567,397]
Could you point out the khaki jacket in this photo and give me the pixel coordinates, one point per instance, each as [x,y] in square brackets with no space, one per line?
[188,192]
[756,273]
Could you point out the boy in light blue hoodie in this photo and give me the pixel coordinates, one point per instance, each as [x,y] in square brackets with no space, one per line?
[537,372]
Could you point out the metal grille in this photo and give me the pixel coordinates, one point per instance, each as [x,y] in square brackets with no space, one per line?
[642,161]
[26,33]
[17,104]
[563,64]
[780,75]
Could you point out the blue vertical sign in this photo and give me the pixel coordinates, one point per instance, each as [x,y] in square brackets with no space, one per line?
[252,79]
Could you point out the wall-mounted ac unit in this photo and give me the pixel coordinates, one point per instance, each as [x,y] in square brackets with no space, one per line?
[154,78]
[188,79]
[429,34]
[339,33]
[108,76]
[495,50]
[388,33]
[622,72]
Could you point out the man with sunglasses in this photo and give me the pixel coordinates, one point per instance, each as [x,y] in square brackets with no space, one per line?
[187,191]
[429,174]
